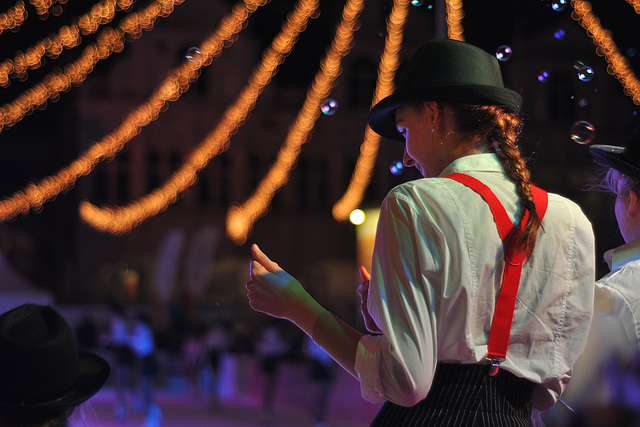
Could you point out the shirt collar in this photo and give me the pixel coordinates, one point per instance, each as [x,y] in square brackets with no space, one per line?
[475,162]
[621,255]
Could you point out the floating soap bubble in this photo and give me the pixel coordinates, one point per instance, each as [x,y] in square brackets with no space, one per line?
[329,107]
[631,52]
[582,132]
[417,2]
[503,53]
[193,54]
[558,5]
[543,76]
[585,73]
[396,168]
[583,103]
[559,34]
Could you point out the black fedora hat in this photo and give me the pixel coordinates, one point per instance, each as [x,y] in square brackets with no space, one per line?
[41,367]
[444,70]
[623,159]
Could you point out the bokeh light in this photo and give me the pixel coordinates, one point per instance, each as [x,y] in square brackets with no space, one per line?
[357,216]
[585,73]
[503,52]
[543,76]
[396,168]
[329,107]
[558,5]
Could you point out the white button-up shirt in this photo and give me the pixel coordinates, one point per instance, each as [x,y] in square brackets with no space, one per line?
[436,273]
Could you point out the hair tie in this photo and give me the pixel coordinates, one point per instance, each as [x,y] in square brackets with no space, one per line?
[529,205]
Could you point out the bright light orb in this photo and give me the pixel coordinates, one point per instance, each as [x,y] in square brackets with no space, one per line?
[329,107]
[356,216]
[503,53]
[585,73]
[558,5]
[582,132]
[559,34]
[396,168]
[543,76]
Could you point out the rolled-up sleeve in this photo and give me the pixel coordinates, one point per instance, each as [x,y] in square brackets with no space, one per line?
[399,364]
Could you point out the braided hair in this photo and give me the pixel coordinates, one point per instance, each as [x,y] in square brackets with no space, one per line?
[499,129]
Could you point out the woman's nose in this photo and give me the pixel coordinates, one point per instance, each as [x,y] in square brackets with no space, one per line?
[407,160]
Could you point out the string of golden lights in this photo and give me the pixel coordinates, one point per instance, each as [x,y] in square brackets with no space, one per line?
[68,37]
[389,62]
[178,81]
[240,218]
[13,17]
[455,13]
[122,219]
[109,40]
[618,64]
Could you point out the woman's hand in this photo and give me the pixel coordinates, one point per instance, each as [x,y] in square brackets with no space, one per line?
[363,291]
[272,290]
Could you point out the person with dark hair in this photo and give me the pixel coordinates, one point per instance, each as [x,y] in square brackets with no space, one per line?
[44,376]
[470,326]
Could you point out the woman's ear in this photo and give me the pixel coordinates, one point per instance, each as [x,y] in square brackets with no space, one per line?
[633,209]
[434,111]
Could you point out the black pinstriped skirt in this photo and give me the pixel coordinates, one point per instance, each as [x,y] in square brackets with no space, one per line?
[465,395]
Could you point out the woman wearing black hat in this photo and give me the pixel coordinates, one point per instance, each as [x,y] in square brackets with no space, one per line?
[461,337]
[44,377]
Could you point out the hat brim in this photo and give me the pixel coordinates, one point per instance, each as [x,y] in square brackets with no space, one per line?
[382,117]
[93,374]
[613,157]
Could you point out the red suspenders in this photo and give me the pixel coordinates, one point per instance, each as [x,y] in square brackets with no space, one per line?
[505,306]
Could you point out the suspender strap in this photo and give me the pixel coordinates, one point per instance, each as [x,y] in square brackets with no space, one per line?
[505,306]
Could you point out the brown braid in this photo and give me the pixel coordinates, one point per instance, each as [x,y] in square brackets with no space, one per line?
[499,130]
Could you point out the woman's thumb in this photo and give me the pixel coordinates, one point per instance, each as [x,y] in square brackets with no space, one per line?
[263,259]
[364,274]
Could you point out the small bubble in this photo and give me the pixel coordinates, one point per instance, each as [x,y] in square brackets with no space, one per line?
[193,54]
[417,2]
[585,73]
[582,132]
[503,53]
[558,5]
[559,34]
[631,52]
[396,168]
[577,64]
[329,107]
[543,76]
[583,103]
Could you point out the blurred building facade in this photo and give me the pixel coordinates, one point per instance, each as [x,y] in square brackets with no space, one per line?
[299,231]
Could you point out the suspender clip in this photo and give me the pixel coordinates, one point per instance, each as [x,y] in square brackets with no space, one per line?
[495,365]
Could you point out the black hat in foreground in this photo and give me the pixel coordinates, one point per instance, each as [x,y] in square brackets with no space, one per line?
[444,70]
[623,159]
[41,367]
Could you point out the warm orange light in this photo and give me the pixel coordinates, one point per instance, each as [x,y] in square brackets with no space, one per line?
[618,65]
[454,19]
[178,81]
[240,219]
[118,220]
[389,62]
[13,17]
